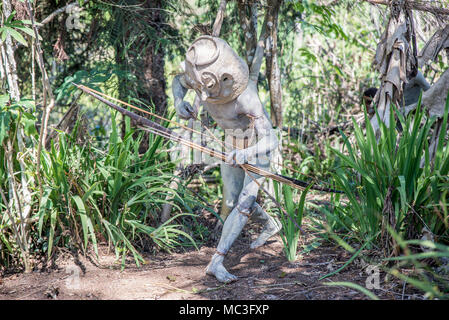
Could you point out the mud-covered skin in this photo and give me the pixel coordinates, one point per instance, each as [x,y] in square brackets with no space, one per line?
[413,89]
[243,114]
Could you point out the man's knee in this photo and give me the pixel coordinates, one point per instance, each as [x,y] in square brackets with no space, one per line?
[246,200]
[230,200]
[225,211]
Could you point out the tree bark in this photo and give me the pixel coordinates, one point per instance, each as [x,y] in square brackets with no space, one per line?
[274,81]
[415,5]
[219,19]
[273,72]
[145,59]
[248,22]
[152,76]
[22,198]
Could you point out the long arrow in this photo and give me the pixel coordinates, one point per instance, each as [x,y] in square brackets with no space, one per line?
[157,129]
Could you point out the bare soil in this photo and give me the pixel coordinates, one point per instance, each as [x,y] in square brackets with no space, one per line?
[264,274]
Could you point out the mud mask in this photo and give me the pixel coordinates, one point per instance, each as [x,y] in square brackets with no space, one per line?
[215,71]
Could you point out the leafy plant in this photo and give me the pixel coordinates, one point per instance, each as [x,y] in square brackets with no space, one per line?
[16,122]
[431,280]
[385,185]
[291,222]
[91,195]
[11,27]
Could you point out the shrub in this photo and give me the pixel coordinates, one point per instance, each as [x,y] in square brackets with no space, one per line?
[385,185]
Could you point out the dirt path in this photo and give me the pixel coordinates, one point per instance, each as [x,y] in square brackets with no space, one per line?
[264,274]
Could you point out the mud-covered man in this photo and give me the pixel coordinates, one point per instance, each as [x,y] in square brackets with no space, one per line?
[220,79]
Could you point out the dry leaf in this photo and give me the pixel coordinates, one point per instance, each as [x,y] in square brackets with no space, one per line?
[171,278]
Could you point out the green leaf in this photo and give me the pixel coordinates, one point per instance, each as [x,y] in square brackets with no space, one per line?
[4,99]
[10,17]
[86,223]
[5,119]
[17,36]
[45,205]
[354,286]
[53,217]
[27,30]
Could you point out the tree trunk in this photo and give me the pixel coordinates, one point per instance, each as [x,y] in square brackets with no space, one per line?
[153,71]
[274,83]
[248,22]
[145,59]
[22,196]
[273,72]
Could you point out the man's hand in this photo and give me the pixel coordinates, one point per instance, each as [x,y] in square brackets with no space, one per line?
[185,110]
[237,157]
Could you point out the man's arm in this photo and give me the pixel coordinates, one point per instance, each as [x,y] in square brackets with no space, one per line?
[179,90]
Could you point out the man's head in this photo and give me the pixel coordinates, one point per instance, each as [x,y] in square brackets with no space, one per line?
[215,71]
[368,97]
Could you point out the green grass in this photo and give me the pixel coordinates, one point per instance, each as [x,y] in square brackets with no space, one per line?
[384,184]
[392,191]
[111,195]
[116,194]
[291,220]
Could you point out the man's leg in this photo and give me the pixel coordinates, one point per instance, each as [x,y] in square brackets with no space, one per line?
[233,226]
[272,225]
[233,179]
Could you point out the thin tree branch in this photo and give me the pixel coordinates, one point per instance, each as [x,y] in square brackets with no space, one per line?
[248,23]
[273,72]
[415,6]
[47,91]
[258,56]
[57,12]
[219,18]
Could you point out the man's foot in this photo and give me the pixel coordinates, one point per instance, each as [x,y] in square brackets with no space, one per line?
[216,268]
[272,227]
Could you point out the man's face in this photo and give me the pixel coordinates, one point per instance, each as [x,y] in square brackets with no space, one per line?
[208,85]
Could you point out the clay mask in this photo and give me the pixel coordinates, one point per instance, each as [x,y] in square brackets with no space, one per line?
[215,71]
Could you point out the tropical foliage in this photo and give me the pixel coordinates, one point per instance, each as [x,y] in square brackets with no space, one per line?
[76,176]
